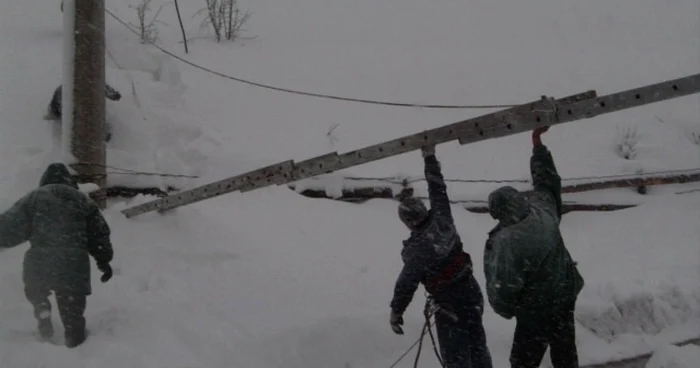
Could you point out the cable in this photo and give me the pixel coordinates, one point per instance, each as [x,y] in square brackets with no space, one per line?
[303,93]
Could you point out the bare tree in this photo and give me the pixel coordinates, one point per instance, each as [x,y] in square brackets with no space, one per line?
[182,27]
[626,140]
[225,18]
[148,30]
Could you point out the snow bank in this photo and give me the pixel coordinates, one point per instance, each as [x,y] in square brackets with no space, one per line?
[675,357]
[269,278]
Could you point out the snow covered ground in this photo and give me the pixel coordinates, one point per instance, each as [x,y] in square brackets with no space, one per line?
[270,278]
[675,357]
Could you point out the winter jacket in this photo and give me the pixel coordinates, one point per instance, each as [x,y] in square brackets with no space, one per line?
[526,263]
[55,106]
[64,227]
[433,254]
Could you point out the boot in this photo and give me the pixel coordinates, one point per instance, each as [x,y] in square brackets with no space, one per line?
[75,338]
[45,328]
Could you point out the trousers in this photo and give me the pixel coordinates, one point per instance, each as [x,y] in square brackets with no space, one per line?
[71,308]
[553,328]
[462,341]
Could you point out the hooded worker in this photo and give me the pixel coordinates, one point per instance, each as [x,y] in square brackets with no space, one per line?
[55,107]
[64,228]
[530,274]
[433,255]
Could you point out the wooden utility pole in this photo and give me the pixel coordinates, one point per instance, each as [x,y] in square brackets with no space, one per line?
[85,133]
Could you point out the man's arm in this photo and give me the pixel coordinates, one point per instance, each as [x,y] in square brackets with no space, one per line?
[16,223]
[406,286]
[437,189]
[112,93]
[545,177]
[99,243]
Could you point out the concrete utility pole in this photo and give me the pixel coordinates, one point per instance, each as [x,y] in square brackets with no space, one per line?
[84,90]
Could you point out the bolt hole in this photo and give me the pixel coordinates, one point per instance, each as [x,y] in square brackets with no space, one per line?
[476,125]
[403,143]
[425,137]
[481,132]
[569,112]
[320,166]
[602,103]
[675,87]
[449,132]
[509,126]
[381,149]
[638,96]
[538,119]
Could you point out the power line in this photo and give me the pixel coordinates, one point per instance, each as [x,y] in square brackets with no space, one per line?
[304,93]
[399,180]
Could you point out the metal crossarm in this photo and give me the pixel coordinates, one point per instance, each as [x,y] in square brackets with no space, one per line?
[511,121]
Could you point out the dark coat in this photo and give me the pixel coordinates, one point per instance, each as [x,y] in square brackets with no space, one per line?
[64,228]
[526,263]
[432,247]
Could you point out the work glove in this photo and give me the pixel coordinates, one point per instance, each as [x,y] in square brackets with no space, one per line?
[106,270]
[396,321]
[428,151]
[536,135]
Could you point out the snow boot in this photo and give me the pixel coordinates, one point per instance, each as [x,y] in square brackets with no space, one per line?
[45,328]
[75,338]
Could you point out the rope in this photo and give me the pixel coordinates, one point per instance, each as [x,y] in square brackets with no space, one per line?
[121,171]
[304,93]
[427,328]
[397,180]
[427,312]
[415,343]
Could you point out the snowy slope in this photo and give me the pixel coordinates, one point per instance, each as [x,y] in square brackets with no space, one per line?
[270,278]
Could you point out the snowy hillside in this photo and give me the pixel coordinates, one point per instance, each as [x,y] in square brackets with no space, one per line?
[270,278]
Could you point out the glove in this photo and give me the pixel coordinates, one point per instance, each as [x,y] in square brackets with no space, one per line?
[396,321]
[106,270]
[428,151]
[536,135]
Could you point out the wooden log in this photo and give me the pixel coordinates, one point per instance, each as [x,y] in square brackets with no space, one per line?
[358,195]
[129,192]
[567,207]
[635,182]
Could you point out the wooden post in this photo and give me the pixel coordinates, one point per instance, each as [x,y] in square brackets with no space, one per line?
[87,140]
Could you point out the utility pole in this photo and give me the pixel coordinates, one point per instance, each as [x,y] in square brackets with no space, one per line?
[83,120]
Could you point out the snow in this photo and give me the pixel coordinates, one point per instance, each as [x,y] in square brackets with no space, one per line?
[675,357]
[270,278]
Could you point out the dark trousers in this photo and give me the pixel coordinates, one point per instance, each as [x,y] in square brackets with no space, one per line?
[553,328]
[71,308]
[463,342]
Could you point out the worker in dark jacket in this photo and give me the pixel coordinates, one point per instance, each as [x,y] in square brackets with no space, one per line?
[433,256]
[55,108]
[529,272]
[64,228]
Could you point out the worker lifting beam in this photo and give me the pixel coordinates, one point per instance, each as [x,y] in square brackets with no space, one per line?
[519,119]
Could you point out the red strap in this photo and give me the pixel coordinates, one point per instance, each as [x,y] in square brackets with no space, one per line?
[448,273]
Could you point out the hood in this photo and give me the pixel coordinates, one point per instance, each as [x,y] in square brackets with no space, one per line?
[57,173]
[508,205]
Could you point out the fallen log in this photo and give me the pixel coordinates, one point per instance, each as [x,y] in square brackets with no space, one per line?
[632,182]
[358,195]
[362,194]
[567,207]
[129,192]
